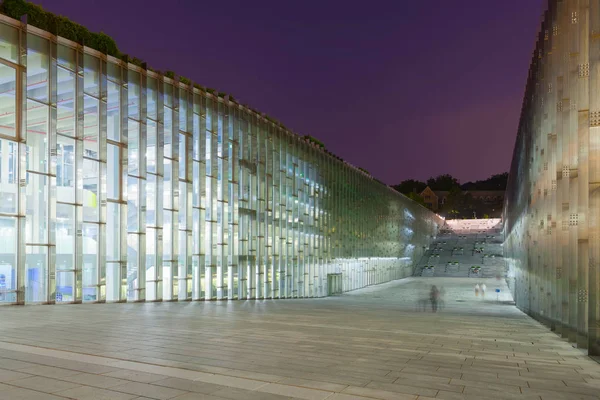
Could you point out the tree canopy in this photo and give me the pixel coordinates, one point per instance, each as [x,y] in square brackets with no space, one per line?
[410,185]
[443,182]
[494,182]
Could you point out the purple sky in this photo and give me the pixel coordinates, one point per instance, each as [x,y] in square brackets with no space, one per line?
[404,89]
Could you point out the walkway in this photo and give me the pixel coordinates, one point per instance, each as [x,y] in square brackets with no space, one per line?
[368,344]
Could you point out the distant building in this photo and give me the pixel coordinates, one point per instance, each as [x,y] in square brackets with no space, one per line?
[434,200]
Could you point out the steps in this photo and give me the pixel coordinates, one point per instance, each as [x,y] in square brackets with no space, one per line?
[462,245]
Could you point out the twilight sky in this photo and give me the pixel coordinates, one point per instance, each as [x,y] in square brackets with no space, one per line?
[404,89]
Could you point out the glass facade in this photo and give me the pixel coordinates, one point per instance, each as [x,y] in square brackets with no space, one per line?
[551,212]
[121,184]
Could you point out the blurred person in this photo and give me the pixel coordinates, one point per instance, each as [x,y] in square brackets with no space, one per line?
[441,298]
[483,287]
[477,290]
[434,296]
[423,298]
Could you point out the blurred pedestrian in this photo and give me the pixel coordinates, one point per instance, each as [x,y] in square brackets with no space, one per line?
[434,295]
[477,290]
[483,287]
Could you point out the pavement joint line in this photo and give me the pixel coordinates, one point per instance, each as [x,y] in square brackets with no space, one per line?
[93,359]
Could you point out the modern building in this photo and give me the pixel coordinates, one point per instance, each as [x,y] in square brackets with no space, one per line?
[118,183]
[552,206]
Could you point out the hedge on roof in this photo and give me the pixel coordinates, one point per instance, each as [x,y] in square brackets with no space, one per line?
[314,140]
[59,25]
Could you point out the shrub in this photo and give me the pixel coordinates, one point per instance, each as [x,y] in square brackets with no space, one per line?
[59,25]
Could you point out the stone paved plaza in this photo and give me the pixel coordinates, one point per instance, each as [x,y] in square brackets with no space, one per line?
[374,343]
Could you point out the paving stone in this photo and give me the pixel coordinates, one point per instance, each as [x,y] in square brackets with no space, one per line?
[8,375]
[92,393]
[43,384]
[147,390]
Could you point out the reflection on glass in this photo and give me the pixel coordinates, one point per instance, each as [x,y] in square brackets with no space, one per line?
[8,105]
[133,136]
[37,68]
[113,232]
[113,174]
[36,222]
[8,176]
[37,136]
[151,147]
[90,190]
[113,112]
[90,126]
[36,271]
[91,75]
[8,259]
[65,104]
[90,262]
[65,169]
[9,43]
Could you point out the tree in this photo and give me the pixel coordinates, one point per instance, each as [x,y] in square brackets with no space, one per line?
[494,182]
[410,185]
[443,182]
[415,197]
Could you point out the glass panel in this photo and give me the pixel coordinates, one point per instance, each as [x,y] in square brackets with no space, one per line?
[36,271]
[65,106]
[168,94]
[132,204]
[150,264]
[196,140]
[9,187]
[168,185]
[66,57]
[134,95]
[37,136]
[168,131]
[133,147]
[113,232]
[9,44]
[132,265]
[113,111]
[65,287]
[183,110]
[182,156]
[113,72]
[151,147]
[8,259]
[37,68]
[65,236]
[90,126]
[113,281]
[90,262]
[151,98]
[90,190]
[36,221]
[151,191]
[8,89]
[167,235]
[113,172]
[91,75]
[65,169]
[196,184]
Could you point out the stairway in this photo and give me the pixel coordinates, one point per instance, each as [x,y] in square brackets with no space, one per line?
[465,248]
